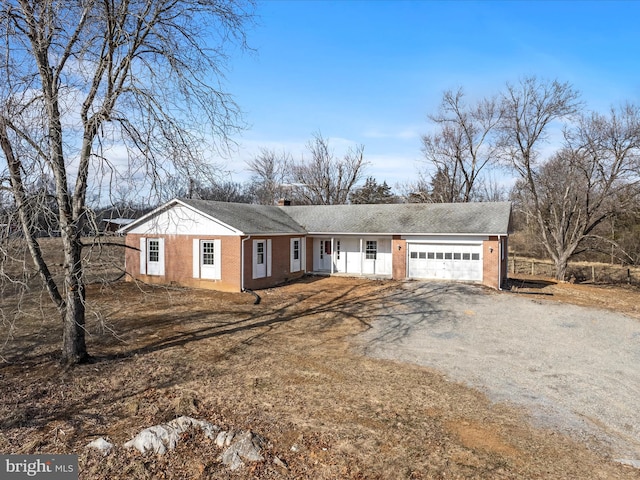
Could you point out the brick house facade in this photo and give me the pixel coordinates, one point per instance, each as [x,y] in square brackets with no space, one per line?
[233,247]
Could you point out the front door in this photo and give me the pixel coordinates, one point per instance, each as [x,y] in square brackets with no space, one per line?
[323,255]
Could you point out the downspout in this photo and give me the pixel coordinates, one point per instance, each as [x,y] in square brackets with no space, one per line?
[499,263]
[242,263]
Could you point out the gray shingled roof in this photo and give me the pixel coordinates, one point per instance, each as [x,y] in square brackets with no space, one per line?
[249,219]
[411,218]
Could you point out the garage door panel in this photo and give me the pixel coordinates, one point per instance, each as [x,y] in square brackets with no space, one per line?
[445,261]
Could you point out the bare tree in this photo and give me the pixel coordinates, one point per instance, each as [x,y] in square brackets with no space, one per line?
[227,191]
[269,169]
[78,79]
[325,179]
[464,145]
[580,186]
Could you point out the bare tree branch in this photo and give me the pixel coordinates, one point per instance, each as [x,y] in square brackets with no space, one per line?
[80,78]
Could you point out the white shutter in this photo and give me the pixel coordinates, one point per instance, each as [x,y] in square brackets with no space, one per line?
[196,258]
[268,257]
[254,260]
[303,253]
[161,256]
[143,256]
[217,259]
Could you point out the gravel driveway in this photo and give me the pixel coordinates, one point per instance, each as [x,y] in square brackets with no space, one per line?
[575,369]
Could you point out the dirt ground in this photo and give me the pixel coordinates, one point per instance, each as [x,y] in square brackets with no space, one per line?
[287,369]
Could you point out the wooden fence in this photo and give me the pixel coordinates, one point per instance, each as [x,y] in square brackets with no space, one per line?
[580,272]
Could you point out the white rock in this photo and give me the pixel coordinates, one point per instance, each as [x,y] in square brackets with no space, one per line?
[220,439]
[246,446]
[102,445]
[160,438]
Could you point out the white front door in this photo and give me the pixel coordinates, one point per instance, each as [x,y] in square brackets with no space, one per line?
[323,255]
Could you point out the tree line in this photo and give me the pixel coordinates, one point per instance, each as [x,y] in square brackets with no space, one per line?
[574,193]
[575,172]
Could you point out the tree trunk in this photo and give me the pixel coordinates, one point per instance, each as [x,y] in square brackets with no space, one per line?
[561,264]
[74,349]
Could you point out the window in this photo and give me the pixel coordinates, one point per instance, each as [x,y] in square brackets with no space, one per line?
[371,252]
[260,253]
[475,256]
[337,249]
[153,247]
[208,253]
[431,255]
[296,249]
[448,256]
[422,255]
[414,254]
[439,255]
[466,256]
[457,256]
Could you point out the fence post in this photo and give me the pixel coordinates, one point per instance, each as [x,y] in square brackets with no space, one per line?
[533,267]
[593,273]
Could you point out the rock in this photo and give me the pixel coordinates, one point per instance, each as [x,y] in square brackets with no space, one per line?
[102,445]
[225,438]
[160,438]
[245,447]
[220,439]
[280,463]
[241,446]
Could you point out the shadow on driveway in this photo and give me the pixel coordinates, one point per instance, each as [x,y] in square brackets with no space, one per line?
[573,368]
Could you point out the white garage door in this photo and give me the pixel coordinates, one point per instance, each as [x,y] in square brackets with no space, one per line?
[445,261]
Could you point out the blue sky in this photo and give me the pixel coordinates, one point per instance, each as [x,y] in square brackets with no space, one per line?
[369,72]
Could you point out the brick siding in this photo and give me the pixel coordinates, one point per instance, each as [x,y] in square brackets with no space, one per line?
[178,262]
[398,258]
[494,268]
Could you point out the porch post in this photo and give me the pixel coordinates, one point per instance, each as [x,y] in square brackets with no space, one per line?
[331,256]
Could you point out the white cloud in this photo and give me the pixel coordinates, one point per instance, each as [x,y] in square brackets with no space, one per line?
[409,133]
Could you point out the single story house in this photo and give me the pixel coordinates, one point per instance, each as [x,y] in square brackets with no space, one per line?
[233,246]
